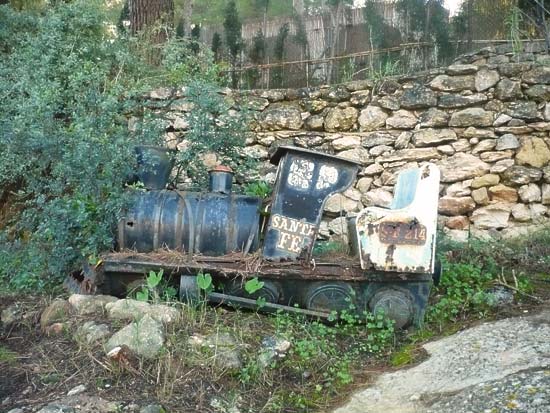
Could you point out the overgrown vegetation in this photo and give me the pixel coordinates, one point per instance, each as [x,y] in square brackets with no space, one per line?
[68,86]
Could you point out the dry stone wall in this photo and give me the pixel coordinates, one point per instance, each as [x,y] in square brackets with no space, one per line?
[485,120]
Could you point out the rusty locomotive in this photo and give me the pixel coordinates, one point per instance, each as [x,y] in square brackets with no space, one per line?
[390,265]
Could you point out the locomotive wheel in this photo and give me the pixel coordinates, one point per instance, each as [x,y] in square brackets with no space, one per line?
[395,304]
[271,291]
[329,296]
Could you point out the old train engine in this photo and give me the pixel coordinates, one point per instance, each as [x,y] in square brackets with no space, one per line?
[390,265]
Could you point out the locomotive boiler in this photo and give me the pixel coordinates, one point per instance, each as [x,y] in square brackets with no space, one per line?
[390,266]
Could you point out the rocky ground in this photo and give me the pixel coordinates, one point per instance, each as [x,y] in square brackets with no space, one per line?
[103,354]
[501,366]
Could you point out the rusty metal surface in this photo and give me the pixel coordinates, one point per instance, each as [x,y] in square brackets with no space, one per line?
[231,266]
[305,180]
[402,233]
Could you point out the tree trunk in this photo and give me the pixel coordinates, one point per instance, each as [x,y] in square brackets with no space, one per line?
[187,14]
[147,13]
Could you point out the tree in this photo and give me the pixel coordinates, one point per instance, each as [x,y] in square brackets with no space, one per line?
[264,6]
[216,46]
[195,37]
[426,20]
[257,56]
[148,13]
[279,53]
[233,27]
[537,13]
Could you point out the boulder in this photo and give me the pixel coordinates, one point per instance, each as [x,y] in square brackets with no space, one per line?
[372,118]
[380,150]
[403,140]
[459,222]
[461,145]
[458,189]
[507,141]
[360,98]
[340,119]
[314,105]
[521,213]
[484,146]
[389,102]
[377,197]
[453,101]
[533,152]
[338,203]
[471,132]
[373,169]
[502,119]
[462,166]
[58,311]
[360,155]
[503,193]
[539,93]
[538,212]
[434,118]
[486,79]
[547,112]
[254,152]
[273,95]
[402,119]
[456,206]
[545,194]
[432,137]
[90,332]
[508,90]
[481,196]
[346,142]
[418,97]
[500,166]
[521,175]
[446,149]
[417,154]
[461,69]
[539,74]
[447,83]
[315,122]
[128,309]
[144,337]
[90,304]
[471,117]
[530,193]
[364,184]
[526,110]
[495,156]
[485,180]
[338,93]
[281,117]
[494,216]
[513,69]
[377,138]
[338,228]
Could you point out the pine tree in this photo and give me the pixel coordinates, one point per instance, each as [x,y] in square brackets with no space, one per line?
[233,27]
[258,49]
[216,46]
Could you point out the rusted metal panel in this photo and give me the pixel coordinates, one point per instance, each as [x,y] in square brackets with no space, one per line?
[402,239]
[305,179]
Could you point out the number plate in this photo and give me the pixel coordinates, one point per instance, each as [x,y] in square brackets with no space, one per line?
[402,233]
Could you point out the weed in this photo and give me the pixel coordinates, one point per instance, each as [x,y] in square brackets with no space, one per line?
[155,289]
[7,356]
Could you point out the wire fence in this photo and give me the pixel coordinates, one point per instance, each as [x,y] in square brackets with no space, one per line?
[371,64]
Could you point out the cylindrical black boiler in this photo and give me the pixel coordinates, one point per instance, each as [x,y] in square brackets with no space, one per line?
[206,223]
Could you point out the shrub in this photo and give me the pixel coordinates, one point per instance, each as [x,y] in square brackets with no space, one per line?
[68,86]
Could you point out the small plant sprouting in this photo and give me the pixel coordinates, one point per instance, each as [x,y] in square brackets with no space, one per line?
[149,290]
[253,285]
[204,282]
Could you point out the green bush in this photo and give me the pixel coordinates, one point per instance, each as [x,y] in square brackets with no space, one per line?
[68,86]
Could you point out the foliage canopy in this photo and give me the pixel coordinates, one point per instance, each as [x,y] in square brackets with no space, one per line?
[69,83]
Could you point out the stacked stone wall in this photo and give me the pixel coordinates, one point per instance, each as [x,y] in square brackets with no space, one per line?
[485,121]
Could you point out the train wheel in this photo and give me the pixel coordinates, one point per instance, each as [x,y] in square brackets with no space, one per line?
[271,290]
[396,305]
[329,296]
